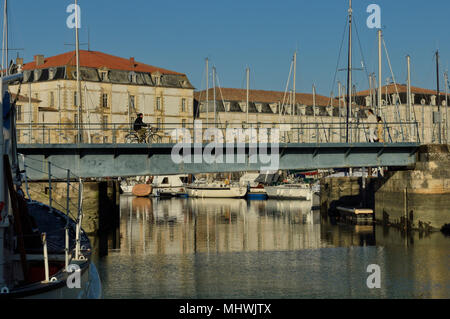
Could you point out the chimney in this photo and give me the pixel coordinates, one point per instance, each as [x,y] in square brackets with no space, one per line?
[19,61]
[39,59]
[132,62]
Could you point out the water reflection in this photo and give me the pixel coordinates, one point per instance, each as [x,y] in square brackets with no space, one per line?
[183,226]
[231,248]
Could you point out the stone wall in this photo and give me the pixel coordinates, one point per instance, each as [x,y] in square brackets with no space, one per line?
[420,198]
[100,201]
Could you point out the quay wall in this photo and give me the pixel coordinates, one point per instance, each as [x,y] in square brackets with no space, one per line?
[100,202]
[414,199]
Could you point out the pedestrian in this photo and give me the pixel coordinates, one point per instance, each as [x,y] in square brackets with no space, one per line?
[372,125]
[380,138]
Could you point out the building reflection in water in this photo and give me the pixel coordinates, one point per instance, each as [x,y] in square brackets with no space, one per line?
[223,248]
[185,226]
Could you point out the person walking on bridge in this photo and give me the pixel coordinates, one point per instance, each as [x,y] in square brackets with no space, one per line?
[372,125]
[380,138]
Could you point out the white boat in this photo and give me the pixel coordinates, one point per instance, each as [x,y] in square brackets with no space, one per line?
[215,190]
[169,185]
[255,190]
[290,191]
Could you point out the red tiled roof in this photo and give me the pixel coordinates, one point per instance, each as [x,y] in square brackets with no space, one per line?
[95,59]
[230,94]
[401,88]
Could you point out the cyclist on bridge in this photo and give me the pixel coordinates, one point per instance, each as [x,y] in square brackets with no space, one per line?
[140,127]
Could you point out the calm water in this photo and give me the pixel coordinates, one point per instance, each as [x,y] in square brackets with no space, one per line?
[231,248]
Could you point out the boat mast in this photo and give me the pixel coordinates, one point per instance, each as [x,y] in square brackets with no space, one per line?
[379,72]
[5,69]
[294,84]
[248,89]
[446,105]
[408,99]
[4,221]
[438,100]
[77,52]
[214,85]
[349,71]
[207,92]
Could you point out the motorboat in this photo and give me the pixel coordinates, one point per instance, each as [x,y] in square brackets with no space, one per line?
[170,186]
[216,189]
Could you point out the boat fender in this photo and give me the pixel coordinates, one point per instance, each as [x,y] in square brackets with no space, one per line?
[83,247]
[4,291]
[82,258]
[54,279]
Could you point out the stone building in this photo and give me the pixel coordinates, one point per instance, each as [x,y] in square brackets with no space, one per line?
[113,91]
[311,117]
[424,111]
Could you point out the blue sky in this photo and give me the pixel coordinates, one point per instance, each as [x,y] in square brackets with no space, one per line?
[262,34]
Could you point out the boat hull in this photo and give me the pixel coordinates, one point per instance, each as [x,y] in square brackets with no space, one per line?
[283,192]
[216,192]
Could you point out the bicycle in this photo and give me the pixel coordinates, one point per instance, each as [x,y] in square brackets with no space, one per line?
[150,136]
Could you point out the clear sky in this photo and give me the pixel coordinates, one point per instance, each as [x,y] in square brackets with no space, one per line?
[233,34]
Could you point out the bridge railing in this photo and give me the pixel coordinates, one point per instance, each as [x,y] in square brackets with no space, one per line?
[118,133]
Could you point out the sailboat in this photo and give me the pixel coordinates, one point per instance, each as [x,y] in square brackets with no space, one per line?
[41,248]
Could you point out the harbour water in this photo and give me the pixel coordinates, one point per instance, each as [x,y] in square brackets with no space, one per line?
[233,248]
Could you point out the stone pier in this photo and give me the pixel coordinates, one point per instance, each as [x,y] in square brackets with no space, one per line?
[415,199]
[419,198]
[100,202]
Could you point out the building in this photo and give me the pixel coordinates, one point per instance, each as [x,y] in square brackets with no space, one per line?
[113,91]
[311,117]
[424,110]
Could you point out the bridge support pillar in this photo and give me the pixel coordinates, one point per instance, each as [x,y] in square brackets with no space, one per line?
[100,202]
[417,199]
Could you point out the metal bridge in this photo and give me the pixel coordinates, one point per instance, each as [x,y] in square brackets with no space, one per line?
[180,150]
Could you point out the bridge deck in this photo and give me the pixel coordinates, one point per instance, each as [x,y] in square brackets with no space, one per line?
[121,160]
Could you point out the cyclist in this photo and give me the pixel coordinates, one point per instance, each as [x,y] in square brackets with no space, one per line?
[140,127]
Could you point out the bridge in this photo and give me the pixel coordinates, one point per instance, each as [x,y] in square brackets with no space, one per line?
[294,151]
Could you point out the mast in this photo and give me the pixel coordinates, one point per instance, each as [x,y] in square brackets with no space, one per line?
[77,52]
[438,101]
[349,71]
[408,99]
[214,85]
[207,92]
[294,84]
[248,88]
[340,115]
[379,71]
[314,102]
[5,52]
[446,105]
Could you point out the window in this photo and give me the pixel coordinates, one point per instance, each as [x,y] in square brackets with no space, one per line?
[132,99]
[75,98]
[18,112]
[132,77]
[158,80]
[52,99]
[105,139]
[103,75]
[158,103]
[105,100]
[183,105]
[165,180]
[183,123]
[75,119]
[158,122]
